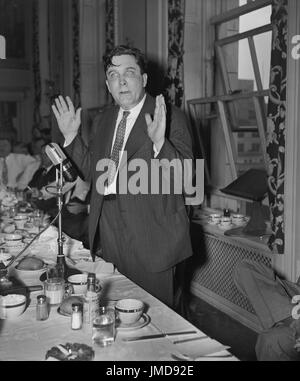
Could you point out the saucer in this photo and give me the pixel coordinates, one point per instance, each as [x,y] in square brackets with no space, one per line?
[63,313]
[144,320]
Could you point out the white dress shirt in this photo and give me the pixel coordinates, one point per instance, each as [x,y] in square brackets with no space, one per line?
[132,117]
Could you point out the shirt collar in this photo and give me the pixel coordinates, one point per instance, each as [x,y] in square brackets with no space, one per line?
[134,112]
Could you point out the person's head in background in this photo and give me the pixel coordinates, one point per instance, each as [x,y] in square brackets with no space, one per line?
[36,146]
[45,161]
[5,147]
[126,78]
[6,141]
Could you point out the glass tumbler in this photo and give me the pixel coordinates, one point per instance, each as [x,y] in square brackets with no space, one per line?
[104,327]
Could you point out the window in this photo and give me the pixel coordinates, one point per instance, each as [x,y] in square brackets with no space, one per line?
[241,76]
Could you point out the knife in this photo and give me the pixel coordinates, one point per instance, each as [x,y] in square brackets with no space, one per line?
[157,335]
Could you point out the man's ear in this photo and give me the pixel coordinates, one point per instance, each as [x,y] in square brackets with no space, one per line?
[145,79]
[107,85]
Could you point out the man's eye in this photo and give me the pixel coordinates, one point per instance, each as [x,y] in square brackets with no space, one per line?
[130,73]
[112,75]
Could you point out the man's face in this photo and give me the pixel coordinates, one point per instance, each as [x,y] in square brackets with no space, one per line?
[125,81]
[5,147]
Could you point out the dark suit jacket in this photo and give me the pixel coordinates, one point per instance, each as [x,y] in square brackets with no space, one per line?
[42,178]
[156,225]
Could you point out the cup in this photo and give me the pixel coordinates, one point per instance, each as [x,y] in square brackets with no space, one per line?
[20,221]
[79,283]
[104,327]
[56,290]
[215,218]
[238,219]
[225,222]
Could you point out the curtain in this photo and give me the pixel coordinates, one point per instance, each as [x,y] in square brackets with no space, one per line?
[36,68]
[110,25]
[174,80]
[276,124]
[76,57]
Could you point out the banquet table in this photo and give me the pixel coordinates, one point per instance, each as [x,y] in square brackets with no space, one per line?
[26,339]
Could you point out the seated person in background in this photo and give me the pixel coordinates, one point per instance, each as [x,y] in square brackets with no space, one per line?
[16,169]
[271,298]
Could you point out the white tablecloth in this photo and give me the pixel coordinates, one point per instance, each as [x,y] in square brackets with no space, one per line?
[25,338]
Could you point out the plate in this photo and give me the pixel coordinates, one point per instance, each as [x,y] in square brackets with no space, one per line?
[226,227]
[144,320]
[63,313]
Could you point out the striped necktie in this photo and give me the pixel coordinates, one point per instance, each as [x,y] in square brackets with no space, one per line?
[117,147]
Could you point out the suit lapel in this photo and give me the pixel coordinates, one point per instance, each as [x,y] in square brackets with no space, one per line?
[105,134]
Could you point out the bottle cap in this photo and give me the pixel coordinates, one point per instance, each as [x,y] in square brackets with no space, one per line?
[76,307]
[41,298]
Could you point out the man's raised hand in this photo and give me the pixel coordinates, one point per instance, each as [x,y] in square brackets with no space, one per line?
[68,120]
[157,125]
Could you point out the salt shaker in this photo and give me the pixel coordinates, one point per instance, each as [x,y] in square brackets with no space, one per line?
[76,318]
[42,312]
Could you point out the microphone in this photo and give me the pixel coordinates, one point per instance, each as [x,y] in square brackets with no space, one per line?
[57,157]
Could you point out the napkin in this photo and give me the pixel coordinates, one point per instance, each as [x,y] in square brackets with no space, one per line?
[204,347]
[83,264]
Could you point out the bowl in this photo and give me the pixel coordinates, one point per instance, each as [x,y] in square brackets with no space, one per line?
[129,311]
[79,283]
[12,306]
[27,277]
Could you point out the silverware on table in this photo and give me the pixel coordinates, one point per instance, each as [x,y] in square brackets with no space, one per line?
[190,339]
[184,357]
[157,335]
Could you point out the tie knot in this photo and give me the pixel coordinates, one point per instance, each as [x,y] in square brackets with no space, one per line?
[125,114]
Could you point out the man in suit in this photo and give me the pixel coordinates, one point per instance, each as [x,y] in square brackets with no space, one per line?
[272,300]
[145,235]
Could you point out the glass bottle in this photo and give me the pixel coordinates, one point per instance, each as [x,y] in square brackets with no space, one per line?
[76,318]
[91,302]
[42,312]
[61,267]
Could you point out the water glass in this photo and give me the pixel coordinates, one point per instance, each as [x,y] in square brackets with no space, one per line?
[104,327]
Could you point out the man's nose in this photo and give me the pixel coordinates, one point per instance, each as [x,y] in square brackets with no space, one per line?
[122,80]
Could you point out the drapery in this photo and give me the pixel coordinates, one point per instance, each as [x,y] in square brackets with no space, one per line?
[174,82]
[76,57]
[276,124]
[110,25]
[36,68]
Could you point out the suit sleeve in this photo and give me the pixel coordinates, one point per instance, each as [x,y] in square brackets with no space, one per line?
[178,144]
[81,153]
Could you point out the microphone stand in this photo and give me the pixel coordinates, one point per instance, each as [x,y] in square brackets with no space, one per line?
[62,269]
[61,262]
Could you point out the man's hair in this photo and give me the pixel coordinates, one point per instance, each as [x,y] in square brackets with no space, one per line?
[122,50]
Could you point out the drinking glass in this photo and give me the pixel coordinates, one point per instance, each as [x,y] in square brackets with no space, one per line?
[104,327]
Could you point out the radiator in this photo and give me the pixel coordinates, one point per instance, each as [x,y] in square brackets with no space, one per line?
[212,279]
